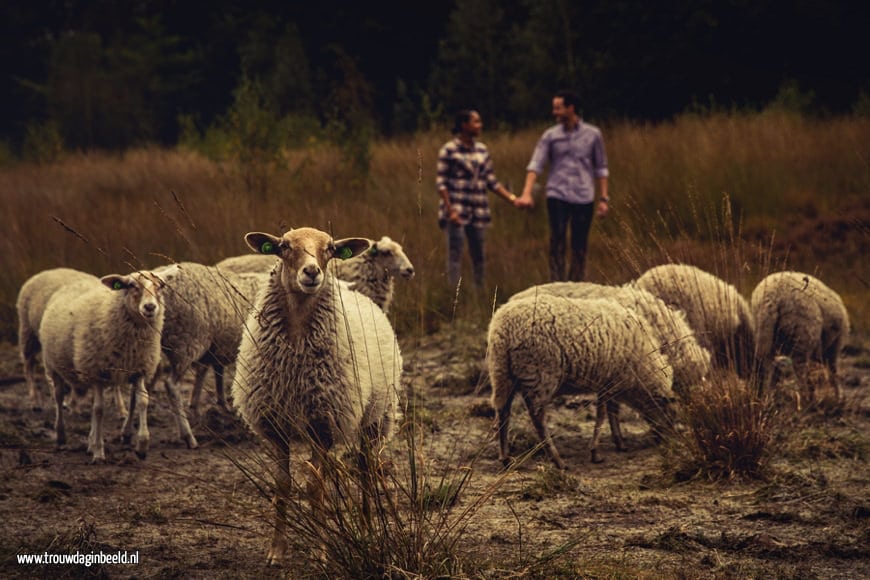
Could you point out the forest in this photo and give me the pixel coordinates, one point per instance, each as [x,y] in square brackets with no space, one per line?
[108,74]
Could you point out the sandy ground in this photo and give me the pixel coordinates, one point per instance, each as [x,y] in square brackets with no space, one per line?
[194,513]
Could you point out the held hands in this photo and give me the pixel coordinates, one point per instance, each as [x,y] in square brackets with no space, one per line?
[524,201]
[603,208]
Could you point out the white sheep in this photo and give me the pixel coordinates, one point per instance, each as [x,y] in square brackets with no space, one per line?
[689,360]
[318,363]
[719,315]
[205,310]
[247,263]
[798,316]
[540,346]
[30,305]
[373,273]
[98,334]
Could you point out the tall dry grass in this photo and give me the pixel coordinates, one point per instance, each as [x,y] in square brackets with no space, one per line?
[797,191]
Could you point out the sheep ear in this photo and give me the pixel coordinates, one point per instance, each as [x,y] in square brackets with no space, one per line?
[263,243]
[351,247]
[166,273]
[116,281]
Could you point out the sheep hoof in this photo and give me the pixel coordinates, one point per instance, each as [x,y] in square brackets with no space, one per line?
[507,462]
[191,442]
[98,461]
[141,454]
[596,458]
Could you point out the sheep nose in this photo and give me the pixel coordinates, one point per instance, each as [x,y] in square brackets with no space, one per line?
[311,270]
[409,272]
[150,308]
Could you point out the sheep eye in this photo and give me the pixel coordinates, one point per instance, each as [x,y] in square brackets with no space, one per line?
[374,251]
[344,253]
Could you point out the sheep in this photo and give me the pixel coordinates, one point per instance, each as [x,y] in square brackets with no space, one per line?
[690,361]
[247,263]
[798,316]
[373,273]
[719,315]
[317,362]
[98,334]
[205,310]
[30,305]
[542,345]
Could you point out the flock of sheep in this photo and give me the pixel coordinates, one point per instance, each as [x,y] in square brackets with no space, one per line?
[303,321]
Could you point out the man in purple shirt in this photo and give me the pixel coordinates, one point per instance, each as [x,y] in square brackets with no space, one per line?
[578,164]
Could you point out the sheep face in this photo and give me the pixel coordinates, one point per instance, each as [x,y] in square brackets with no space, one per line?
[392,258]
[142,292]
[305,252]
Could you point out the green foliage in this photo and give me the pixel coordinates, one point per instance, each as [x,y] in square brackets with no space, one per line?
[43,143]
[791,99]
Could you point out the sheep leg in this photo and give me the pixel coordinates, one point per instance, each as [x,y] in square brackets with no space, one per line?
[538,414]
[196,393]
[615,428]
[502,421]
[283,487]
[600,414]
[96,444]
[29,348]
[184,431]
[222,400]
[57,385]
[127,430]
[144,436]
[118,391]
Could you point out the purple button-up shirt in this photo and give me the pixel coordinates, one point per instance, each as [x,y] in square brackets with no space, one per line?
[576,158]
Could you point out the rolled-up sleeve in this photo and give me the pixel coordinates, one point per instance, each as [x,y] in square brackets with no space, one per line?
[599,158]
[540,156]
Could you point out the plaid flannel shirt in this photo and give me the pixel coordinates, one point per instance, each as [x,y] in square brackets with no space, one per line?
[467,173]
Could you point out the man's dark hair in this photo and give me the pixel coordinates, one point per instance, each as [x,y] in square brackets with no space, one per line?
[570,99]
[462,116]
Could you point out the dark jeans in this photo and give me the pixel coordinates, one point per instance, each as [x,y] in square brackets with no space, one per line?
[456,236]
[580,217]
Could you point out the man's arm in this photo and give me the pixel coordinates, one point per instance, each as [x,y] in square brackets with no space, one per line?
[526,199]
[603,197]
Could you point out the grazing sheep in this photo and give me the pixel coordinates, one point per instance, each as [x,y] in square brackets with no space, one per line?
[318,362]
[32,300]
[542,345]
[798,316]
[98,334]
[371,273]
[689,360]
[205,310]
[719,315]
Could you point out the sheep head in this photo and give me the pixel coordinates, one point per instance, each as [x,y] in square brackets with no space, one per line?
[142,291]
[392,258]
[305,252]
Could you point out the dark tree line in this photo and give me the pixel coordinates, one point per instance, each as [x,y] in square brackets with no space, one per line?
[112,73]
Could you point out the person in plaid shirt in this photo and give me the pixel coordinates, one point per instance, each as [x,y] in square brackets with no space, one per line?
[464,174]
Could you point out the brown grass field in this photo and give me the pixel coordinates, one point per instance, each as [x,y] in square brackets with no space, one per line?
[738,195]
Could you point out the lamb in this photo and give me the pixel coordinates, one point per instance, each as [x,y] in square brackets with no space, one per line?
[205,311]
[30,305]
[690,361]
[798,316]
[98,334]
[540,346]
[318,363]
[719,315]
[373,273]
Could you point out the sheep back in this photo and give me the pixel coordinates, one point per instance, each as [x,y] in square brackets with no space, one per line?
[719,315]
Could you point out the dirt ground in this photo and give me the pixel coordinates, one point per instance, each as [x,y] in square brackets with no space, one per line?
[194,513]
